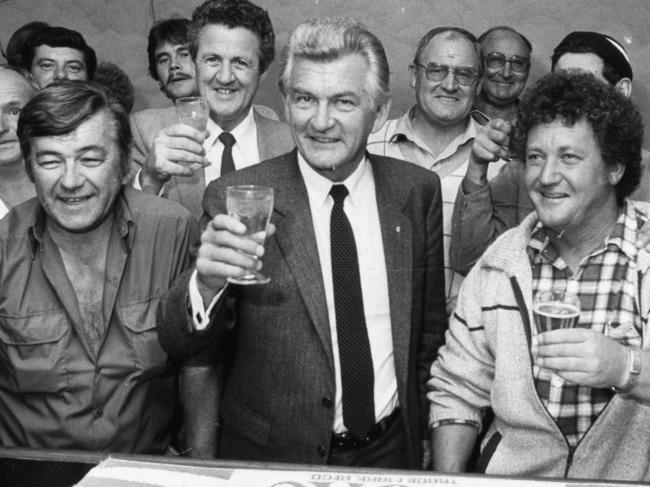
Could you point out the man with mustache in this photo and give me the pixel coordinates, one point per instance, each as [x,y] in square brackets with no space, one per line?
[171,65]
[232,45]
[170,62]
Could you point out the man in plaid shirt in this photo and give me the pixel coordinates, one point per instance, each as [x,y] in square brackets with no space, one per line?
[567,402]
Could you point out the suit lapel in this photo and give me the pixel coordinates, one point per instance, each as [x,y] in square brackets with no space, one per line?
[273,139]
[397,234]
[297,242]
[263,136]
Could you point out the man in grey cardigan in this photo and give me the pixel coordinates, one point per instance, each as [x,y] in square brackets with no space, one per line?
[567,402]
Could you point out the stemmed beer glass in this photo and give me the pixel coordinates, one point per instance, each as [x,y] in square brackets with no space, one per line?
[251,205]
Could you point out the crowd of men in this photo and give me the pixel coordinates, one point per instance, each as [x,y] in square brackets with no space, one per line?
[404,255]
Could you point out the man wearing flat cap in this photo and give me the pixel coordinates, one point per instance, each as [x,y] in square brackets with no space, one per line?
[483,210]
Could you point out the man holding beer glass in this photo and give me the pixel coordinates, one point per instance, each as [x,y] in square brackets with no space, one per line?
[550,323]
[333,352]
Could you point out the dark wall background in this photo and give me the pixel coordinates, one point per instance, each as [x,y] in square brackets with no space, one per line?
[117,29]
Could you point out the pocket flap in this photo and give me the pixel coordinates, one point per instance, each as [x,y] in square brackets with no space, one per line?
[245,422]
[34,329]
[140,316]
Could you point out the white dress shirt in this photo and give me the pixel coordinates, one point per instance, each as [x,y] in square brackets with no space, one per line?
[4,209]
[361,209]
[244,153]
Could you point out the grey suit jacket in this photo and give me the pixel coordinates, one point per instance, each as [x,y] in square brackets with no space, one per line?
[277,402]
[273,139]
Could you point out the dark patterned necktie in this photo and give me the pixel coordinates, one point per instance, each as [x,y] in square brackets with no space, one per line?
[227,163]
[357,374]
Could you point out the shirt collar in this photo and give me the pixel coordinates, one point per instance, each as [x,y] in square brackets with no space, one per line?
[240,132]
[404,131]
[124,223]
[471,129]
[404,128]
[626,230]
[623,237]
[318,186]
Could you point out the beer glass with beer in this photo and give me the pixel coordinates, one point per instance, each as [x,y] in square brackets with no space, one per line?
[556,309]
[193,111]
[251,205]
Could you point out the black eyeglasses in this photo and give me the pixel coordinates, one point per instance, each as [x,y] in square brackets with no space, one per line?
[438,72]
[496,60]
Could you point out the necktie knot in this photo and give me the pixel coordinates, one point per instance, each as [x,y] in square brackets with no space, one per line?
[227,139]
[339,192]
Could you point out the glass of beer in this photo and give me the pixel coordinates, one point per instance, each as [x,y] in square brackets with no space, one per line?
[251,205]
[556,309]
[193,111]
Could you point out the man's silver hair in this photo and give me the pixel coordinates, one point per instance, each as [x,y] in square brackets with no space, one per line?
[328,39]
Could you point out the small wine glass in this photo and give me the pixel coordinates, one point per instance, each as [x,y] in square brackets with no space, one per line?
[251,205]
[193,111]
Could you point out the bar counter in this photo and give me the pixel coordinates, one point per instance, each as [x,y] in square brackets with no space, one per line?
[59,468]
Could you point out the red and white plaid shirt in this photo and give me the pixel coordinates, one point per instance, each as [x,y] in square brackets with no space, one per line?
[606,283]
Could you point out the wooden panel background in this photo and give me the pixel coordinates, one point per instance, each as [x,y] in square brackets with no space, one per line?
[117,29]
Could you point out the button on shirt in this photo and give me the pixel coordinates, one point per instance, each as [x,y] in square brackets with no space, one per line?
[244,153]
[361,209]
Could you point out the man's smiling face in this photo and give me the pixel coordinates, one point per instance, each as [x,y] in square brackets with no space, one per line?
[445,102]
[228,72]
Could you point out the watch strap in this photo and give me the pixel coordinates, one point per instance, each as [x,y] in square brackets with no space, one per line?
[633,373]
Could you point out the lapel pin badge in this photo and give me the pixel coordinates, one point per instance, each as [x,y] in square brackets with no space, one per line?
[398,229]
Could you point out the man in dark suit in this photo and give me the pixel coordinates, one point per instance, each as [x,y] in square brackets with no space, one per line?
[332,355]
[232,44]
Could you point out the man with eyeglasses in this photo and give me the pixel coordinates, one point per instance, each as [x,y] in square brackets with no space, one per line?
[506,59]
[438,132]
[486,207]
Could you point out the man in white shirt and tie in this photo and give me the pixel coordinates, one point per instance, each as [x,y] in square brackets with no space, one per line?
[232,44]
[331,358]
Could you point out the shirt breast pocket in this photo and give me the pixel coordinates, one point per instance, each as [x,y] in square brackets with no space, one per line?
[33,352]
[139,320]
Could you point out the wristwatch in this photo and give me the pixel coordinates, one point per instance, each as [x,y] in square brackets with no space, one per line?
[633,372]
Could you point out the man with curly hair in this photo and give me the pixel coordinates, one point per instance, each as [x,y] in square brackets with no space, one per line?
[232,44]
[486,208]
[567,402]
